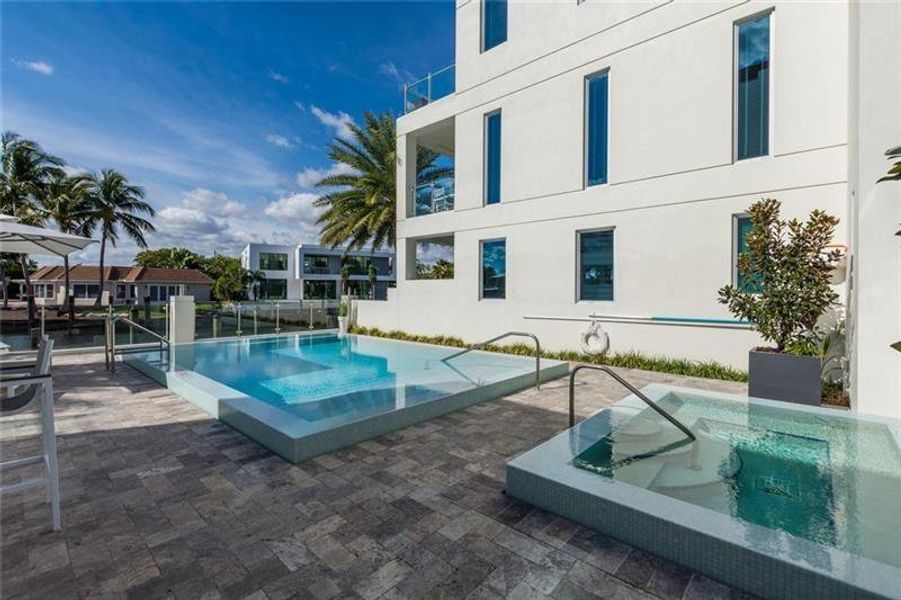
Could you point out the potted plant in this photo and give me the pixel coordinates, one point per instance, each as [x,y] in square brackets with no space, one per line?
[783,291]
[342,316]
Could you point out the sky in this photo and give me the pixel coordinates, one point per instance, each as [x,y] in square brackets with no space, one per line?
[222,112]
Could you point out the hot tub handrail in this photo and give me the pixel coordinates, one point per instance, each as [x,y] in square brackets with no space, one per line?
[628,386]
[481,345]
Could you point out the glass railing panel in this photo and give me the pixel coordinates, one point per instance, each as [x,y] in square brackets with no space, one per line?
[434,197]
[430,88]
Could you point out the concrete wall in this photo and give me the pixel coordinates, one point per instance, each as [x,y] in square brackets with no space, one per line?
[673,185]
[875,208]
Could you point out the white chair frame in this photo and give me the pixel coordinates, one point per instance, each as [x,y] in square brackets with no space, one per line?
[39,384]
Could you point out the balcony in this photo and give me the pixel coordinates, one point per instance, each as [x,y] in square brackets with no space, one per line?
[433,86]
[434,197]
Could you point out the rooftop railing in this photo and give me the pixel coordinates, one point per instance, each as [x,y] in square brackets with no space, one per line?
[433,86]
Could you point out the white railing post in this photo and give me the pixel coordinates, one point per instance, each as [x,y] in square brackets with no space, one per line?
[277,310]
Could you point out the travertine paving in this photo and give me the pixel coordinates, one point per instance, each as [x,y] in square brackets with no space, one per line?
[160,501]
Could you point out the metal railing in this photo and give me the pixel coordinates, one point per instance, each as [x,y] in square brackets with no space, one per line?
[482,345]
[110,346]
[432,87]
[628,386]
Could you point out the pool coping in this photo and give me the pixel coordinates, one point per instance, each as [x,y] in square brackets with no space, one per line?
[268,425]
[751,557]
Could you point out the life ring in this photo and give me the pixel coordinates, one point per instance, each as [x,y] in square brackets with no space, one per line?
[594,339]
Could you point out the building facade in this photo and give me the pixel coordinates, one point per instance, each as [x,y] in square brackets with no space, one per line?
[121,285]
[312,272]
[605,156]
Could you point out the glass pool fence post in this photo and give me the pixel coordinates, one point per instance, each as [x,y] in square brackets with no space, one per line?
[277,308]
[42,320]
[255,327]
[238,318]
[215,325]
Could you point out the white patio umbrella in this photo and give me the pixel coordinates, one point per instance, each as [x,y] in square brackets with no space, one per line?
[17,238]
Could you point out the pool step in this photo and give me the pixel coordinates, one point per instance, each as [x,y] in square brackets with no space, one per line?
[712,463]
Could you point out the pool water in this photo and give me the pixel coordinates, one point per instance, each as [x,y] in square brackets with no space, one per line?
[833,480]
[323,380]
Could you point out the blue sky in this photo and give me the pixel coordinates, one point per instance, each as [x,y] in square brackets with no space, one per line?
[222,111]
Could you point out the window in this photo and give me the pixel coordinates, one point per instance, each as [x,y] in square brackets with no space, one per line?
[86,290]
[434,258]
[274,289]
[752,88]
[273,261]
[320,290]
[494,268]
[596,265]
[125,291]
[42,290]
[161,293]
[596,129]
[741,227]
[493,157]
[315,264]
[494,23]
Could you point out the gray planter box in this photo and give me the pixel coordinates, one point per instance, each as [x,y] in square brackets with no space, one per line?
[785,377]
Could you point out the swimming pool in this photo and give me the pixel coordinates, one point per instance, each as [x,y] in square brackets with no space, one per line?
[782,501]
[302,395]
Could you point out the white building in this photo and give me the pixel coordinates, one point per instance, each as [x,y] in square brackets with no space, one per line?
[311,272]
[605,153]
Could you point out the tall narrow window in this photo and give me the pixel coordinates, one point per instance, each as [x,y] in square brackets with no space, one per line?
[494,268]
[494,23]
[742,226]
[752,88]
[596,265]
[596,129]
[493,157]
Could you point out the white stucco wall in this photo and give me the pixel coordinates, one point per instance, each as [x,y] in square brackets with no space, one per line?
[673,186]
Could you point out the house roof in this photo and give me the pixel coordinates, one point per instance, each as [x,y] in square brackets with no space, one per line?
[91,273]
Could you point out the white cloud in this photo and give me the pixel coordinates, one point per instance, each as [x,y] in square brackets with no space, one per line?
[276,76]
[398,74]
[295,207]
[215,203]
[300,106]
[38,66]
[340,122]
[279,140]
[309,177]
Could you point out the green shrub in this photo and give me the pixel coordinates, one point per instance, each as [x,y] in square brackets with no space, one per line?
[628,360]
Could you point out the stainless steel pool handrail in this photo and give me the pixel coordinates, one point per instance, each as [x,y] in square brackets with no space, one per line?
[482,345]
[110,346]
[628,386]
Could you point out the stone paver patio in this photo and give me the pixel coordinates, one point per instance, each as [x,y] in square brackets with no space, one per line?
[161,501]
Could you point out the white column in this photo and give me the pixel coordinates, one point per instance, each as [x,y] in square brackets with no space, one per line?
[874,208]
[181,319]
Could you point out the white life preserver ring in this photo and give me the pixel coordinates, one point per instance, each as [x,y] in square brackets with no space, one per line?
[594,339]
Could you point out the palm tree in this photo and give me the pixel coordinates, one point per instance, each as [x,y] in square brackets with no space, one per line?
[63,202]
[27,171]
[362,210]
[114,205]
[373,273]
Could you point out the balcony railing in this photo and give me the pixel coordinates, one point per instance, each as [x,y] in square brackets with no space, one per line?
[428,89]
[434,197]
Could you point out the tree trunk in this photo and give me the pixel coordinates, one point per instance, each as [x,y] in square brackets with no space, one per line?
[29,297]
[67,303]
[102,252]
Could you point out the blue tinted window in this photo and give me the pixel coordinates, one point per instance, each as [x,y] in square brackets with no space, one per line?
[493,158]
[494,23]
[744,282]
[753,88]
[596,129]
[494,269]
[596,265]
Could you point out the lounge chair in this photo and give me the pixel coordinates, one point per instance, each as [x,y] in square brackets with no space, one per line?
[24,384]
